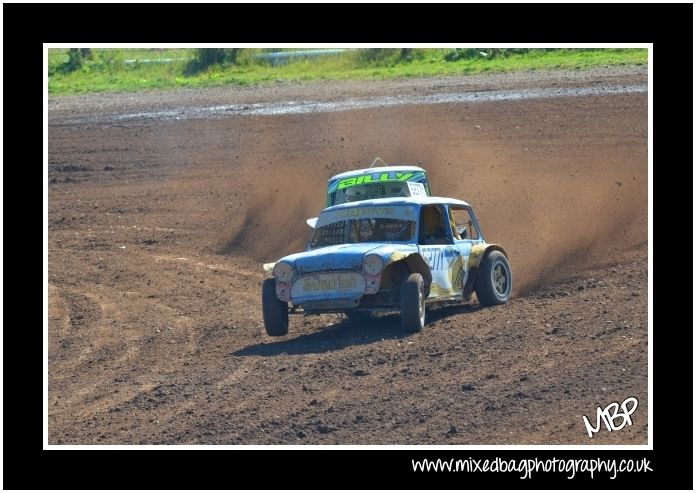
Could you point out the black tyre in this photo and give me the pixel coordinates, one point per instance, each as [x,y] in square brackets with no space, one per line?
[413,303]
[494,281]
[275,312]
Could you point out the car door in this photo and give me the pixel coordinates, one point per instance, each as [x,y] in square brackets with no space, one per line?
[436,245]
[466,234]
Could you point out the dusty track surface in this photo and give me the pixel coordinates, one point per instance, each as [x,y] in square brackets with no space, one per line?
[157,231]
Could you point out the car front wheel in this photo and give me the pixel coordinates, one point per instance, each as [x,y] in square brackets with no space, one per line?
[494,281]
[413,303]
[275,312]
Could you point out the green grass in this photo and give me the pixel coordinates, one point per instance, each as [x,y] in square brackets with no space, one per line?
[108,70]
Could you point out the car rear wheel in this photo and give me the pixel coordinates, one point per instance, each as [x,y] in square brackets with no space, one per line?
[413,303]
[275,312]
[494,281]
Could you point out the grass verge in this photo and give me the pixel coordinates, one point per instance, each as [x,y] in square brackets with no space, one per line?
[130,70]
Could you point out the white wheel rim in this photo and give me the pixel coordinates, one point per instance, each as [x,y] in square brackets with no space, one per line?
[500,278]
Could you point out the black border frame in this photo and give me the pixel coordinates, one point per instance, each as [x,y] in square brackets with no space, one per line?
[27,26]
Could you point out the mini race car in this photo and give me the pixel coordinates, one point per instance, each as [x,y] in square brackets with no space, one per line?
[376,183]
[391,254]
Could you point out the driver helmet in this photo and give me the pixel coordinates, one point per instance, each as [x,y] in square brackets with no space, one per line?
[353,194]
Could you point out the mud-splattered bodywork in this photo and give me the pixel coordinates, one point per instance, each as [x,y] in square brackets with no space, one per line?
[368,275]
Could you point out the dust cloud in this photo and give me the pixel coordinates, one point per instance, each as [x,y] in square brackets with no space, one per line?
[558,198]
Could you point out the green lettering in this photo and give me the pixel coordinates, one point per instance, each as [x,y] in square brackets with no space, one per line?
[404,176]
[348,182]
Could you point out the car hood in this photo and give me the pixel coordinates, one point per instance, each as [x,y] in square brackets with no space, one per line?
[345,257]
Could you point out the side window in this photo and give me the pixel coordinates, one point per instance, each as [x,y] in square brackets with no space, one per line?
[434,226]
[461,220]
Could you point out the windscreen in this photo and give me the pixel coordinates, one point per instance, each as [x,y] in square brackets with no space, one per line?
[362,223]
[369,191]
[366,230]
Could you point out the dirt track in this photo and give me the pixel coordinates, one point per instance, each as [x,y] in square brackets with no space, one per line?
[157,231]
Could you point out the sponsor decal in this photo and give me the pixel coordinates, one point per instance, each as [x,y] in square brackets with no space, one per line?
[329,284]
[376,178]
[365,212]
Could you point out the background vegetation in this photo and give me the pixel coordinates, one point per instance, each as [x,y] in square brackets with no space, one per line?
[96,70]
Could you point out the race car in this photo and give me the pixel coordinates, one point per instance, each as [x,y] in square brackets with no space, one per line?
[390,254]
[374,183]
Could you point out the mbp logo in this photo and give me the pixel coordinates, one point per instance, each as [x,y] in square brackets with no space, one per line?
[610,414]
